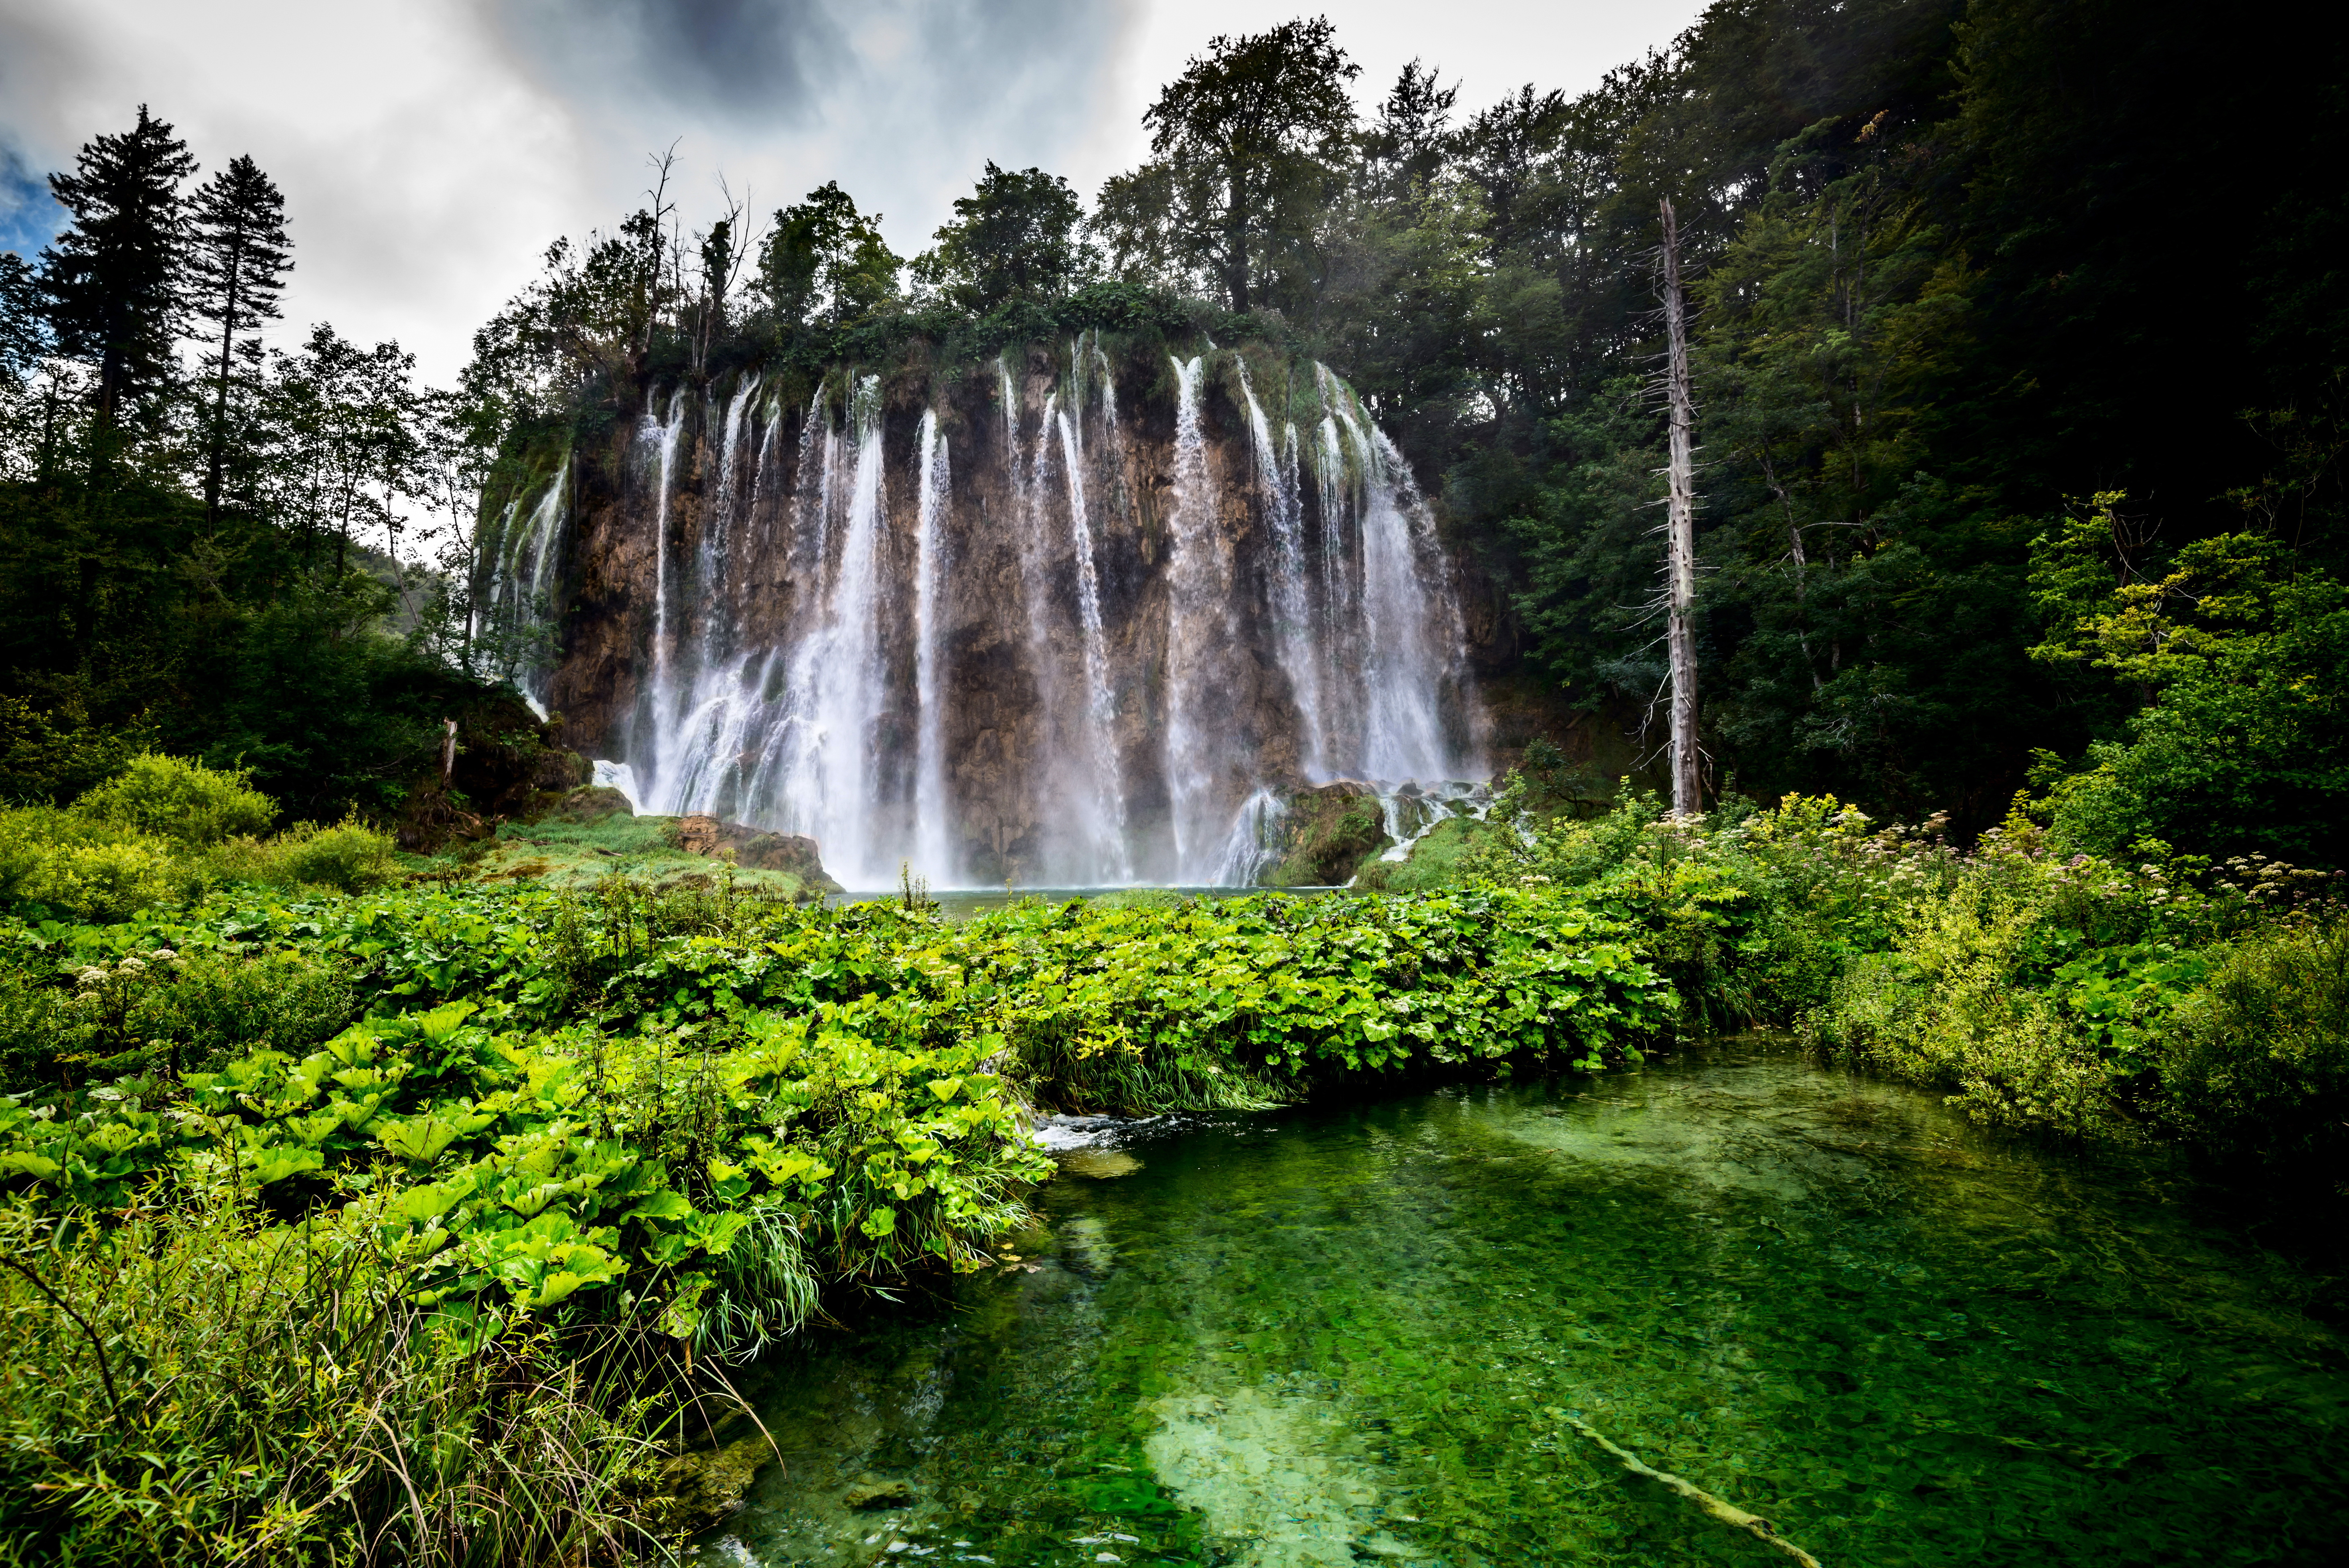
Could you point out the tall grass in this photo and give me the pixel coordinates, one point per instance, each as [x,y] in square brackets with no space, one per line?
[188,1386]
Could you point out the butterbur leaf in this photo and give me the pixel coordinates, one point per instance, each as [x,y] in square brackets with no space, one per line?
[880,1223]
[666,1204]
[279,1163]
[945,1089]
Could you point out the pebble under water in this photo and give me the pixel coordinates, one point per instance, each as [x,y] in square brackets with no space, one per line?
[1337,1334]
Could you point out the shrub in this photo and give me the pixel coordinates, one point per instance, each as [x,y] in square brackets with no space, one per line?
[2256,1062]
[349,857]
[209,1007]
[183,801]
[112,881]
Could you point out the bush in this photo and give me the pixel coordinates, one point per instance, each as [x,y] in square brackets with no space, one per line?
[349,857]
[2256,1062]
[111,880]
[186,802]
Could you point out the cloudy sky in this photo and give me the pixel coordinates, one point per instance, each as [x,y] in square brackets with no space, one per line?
[430,150]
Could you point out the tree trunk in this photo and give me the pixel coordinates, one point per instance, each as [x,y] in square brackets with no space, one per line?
[220,395]
[1680,554]
[1235,261]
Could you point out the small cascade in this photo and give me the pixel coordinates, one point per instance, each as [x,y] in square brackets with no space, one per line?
[510,626]
[1409,813]
[934,855]
[1252,846]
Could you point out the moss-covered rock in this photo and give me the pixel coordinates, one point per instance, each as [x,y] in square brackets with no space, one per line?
[1327,833]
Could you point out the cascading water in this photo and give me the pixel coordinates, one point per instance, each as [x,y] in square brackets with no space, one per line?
[1199,599]
[933,844]
[1109,791]
[511,626]
[1125,669]
[1292,611]
[664,434]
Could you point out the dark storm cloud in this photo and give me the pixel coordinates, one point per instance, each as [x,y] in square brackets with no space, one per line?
[902,101]
[741,55]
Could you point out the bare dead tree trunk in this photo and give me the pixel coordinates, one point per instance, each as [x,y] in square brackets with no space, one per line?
[1680,554]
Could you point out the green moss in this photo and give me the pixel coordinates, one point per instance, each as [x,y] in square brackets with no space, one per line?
[1433,862]
[1325,835]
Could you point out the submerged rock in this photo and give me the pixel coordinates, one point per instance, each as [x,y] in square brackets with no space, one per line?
[704,1488]
[1100,1163]
[870,1494]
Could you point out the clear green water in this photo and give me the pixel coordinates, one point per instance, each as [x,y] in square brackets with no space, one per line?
[1340,1335]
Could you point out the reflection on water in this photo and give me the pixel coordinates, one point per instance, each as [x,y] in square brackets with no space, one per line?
[1336,1336]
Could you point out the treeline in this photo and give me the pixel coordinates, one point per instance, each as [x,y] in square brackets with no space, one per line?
[203,541]
[2016,320]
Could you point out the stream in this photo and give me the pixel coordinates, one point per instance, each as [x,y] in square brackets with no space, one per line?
[1352,1333]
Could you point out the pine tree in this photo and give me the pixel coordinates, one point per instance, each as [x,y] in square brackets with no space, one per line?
[113,276]
[238,257]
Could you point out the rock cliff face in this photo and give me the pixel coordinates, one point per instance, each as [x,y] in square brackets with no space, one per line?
[1062,618]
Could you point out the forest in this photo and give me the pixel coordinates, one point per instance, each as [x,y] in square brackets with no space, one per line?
[408,1153]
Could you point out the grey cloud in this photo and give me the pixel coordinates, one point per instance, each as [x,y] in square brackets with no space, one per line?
[750,56]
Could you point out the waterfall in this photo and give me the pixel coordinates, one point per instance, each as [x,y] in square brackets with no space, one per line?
[1113,861]
[1288,590]
[507,626]
[665,433]
[825,787]
[934,852]
[1403,730]
[711,559]
[1198,596]
[1249,849]
[979,665]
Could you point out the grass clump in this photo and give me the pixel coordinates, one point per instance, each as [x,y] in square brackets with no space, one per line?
[193,1384]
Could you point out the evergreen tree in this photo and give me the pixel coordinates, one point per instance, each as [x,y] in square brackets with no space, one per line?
[238,257]
[113,277]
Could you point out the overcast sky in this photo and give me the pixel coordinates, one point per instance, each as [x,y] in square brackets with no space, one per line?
[430,150]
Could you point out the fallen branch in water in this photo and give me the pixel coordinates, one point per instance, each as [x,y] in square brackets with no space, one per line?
[1729,1513]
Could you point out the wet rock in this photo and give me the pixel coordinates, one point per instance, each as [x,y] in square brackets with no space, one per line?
[869,1494]
[756,850]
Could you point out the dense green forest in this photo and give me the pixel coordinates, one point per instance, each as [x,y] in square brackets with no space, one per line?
[367,1207]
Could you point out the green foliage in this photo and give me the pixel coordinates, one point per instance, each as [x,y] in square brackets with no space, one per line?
[197,1384]
[48,756]
[186,802]
[2246,663]
[826,261]
[349,857]
[1013,240]
[2255,1064]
